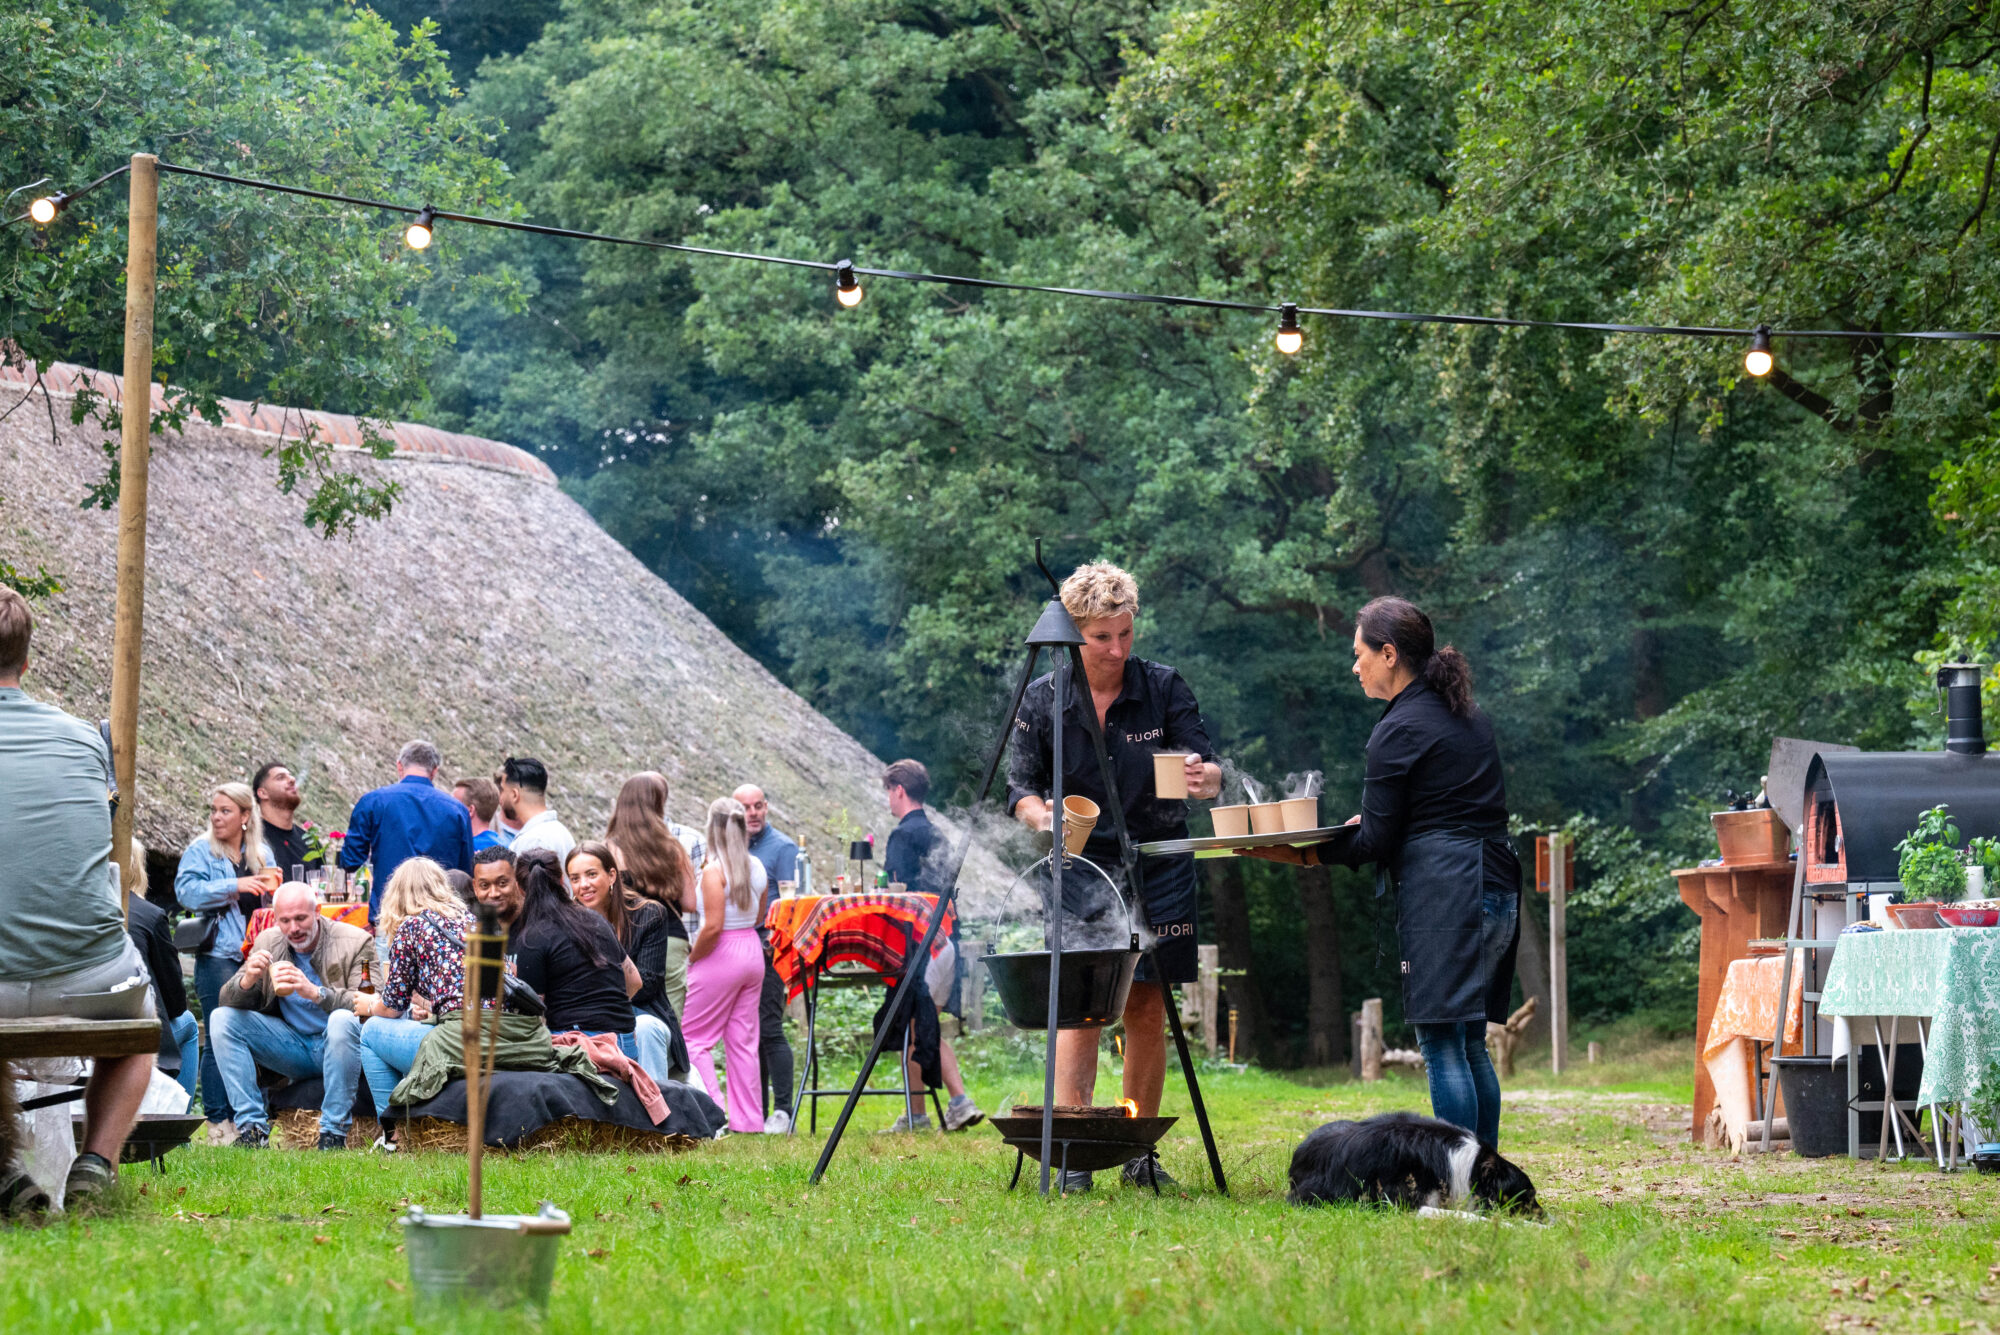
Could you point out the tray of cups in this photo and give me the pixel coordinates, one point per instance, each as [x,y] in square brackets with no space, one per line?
[1232,845]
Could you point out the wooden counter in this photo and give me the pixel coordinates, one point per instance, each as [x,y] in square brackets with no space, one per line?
[1738,904]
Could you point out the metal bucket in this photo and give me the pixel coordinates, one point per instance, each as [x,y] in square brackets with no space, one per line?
[501,1260]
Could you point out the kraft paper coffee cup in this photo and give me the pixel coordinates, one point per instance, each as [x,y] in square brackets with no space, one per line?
[1301,813]
[1267,818]
[1170,775]
[1079,819]
[1231,822]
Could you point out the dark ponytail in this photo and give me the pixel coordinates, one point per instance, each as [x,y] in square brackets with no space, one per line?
[1402,623]
[545,900]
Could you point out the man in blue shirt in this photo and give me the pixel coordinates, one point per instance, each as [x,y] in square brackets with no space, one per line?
[780,856]
[411,818]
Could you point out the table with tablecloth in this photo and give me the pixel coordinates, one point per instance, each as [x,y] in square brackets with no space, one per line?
[1950,976]
[1746,1014]
[824,932]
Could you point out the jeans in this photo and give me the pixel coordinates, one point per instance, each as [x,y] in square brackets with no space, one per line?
[243,1040]
[388,1051]
[1465,1091]
[210,973]
[647,1045]
[774,1054]
[187,1037]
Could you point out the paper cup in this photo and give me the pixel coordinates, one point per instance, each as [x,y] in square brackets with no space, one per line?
[1267,818]
[1301,813]
[1230,822]
[1170,776]
[1079,819]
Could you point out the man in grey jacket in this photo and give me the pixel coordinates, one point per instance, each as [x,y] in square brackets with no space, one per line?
[290,1008]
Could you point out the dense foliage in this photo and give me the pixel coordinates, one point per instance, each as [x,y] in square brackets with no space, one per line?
[1654,562]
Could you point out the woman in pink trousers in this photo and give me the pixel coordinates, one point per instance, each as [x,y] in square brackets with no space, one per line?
[726,967]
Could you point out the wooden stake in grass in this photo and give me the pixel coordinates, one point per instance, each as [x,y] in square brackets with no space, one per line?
[134,456]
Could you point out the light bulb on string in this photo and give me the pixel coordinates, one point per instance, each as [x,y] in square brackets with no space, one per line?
[846,288]
[417,236]
[45,209]
[1758,361]
[1290,338]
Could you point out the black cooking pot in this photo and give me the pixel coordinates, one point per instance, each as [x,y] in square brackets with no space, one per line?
[1094,986]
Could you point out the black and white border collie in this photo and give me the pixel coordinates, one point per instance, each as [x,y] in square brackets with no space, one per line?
[1406,1160]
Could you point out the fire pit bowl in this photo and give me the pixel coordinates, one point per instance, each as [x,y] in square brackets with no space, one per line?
[1083,1139]
[1094,987]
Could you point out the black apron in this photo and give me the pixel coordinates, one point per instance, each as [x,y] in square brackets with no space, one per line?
[1441,878]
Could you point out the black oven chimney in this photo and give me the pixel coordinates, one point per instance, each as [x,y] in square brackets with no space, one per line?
[1964,728]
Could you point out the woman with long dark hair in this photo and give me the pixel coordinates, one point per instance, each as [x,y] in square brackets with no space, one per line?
[654,863]
[570,956]
[640,926]
[1434,818]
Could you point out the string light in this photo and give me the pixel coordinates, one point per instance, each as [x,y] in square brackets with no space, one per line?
[846,288]
[417,236]
[1290,339]
[45,209]
[1757,361]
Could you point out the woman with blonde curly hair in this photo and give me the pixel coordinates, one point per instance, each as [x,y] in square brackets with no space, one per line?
[425,924]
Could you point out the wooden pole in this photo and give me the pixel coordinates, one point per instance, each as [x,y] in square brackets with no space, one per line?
[470,1037]
[1371,1039]
[134,455]
[1558,953]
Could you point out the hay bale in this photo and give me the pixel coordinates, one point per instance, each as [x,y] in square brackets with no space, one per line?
[298,1129]
[567,1135]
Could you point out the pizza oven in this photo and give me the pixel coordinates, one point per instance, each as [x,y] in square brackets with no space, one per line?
[1860,804]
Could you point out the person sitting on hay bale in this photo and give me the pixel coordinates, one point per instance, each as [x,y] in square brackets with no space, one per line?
[292,1008]
[425,925]
[62,933]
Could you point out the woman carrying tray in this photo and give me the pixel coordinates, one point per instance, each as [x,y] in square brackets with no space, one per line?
[1434,816]
[1143,708]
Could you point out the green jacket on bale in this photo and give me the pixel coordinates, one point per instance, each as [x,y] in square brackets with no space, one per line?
[523,1046]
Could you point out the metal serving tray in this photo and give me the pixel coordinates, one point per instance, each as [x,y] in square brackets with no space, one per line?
[1229,846]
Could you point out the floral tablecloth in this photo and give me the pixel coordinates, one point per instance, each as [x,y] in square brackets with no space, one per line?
[872,930]
[1951,975]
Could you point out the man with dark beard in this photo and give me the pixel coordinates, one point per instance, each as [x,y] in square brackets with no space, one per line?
[278,800]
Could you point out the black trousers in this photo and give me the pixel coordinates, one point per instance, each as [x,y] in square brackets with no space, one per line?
[774,1054]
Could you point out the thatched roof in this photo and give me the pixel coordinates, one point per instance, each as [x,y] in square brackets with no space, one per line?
[488,613]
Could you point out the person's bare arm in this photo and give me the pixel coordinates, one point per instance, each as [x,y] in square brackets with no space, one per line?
[1203,779]
[713,896]
[632,980]
[1033,812]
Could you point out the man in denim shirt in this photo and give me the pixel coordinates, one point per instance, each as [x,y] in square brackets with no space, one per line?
[411,818]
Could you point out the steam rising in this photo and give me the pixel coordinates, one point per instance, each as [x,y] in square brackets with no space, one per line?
[1304,783]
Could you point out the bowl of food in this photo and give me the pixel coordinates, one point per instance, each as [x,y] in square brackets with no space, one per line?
[1967,915]
[1917,915]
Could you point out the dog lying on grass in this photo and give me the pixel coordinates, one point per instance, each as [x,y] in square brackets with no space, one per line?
[1409,1161]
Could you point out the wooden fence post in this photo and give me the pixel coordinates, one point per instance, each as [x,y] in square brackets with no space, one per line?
[972,987]
[1208,993]
[1558,952]
[1371,1039]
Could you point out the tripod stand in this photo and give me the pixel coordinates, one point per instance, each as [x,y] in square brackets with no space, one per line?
[1055,631]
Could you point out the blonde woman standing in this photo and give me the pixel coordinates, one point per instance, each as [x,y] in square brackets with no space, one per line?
[222,872]
[726,967]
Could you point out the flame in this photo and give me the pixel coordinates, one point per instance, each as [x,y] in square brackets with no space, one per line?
[1131,1108]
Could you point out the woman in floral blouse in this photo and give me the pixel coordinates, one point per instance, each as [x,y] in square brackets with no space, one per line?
[425,924]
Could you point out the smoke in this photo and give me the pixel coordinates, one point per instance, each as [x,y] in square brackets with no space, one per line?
[1096,914]
[1304,783]
[1237,786]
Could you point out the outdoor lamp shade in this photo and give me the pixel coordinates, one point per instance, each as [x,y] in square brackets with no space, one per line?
[44,210]
[1758,360]
[860,850]
[1290,337]
[417,236]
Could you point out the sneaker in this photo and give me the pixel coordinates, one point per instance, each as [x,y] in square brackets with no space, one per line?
[333,1140]
[1145,1171]
[905,1122]
[222,1132]
[962,1112]
[90,1176]
[1073,1180]
[778,1123]
[252,1138]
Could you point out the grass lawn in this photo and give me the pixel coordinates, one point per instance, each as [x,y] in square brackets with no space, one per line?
[1645,1233]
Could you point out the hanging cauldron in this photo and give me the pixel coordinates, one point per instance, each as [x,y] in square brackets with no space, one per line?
[1095,981]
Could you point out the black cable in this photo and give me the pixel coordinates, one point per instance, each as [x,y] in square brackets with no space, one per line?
[996,284]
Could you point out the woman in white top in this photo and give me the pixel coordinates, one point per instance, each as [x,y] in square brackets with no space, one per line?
[726,966]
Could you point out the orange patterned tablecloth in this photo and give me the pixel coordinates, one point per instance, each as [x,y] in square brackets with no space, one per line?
[1748,1005]
[825,931]
[354,915]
